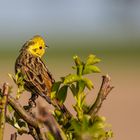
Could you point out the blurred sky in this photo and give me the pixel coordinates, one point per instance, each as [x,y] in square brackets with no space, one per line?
[84,19]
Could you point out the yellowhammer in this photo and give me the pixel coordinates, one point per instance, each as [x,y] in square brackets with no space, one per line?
[37,79]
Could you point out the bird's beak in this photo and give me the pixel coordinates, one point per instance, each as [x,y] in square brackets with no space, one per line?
[47,46]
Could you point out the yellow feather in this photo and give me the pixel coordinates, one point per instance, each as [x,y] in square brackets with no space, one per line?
[38,46]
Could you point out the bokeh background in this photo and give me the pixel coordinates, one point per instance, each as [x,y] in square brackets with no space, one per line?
[109,29]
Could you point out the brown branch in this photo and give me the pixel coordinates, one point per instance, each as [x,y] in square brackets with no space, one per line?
[28,118]
[36,127]
[13,136]
[32,131]
[102,94]
[22,112]
[3,105]
[48,119]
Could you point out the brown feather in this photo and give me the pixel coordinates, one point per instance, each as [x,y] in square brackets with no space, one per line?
[37,77]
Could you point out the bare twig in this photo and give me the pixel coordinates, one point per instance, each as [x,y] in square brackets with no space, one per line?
[3,105]
[36,126]
[22,112]
[102,94]
[47,118]
[32,131]
[27,117]
[13,136]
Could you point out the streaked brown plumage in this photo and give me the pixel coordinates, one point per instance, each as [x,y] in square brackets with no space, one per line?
[37,78]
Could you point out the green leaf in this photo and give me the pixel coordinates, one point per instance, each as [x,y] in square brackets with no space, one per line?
[92,60]
[55,89]
[99,125]
[73,89]
[81,86]
[62,94]
[10,109]
[16,125]
[91,69]
[58,113]
[88,83]
[96,60]
[98,134]
[83,99]
[77,60]
[100,119]
[109,134]
[76,125]
[19,78]
[85,122]
[56,86]
[22,123]
[50,136]
[71,78]
[9,120]
[20,91]
[99,122]
[80,70]
[16,116]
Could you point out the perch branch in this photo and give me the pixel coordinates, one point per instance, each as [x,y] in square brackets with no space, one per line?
[22,112]
[49,121]
[33,122]
[3,105]
[102,94]
[32,131]
[26,116]
[36,127]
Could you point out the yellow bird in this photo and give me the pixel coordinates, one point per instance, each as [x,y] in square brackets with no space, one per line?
[37,78]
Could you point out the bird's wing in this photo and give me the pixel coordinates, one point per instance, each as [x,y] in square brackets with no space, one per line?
[38,80]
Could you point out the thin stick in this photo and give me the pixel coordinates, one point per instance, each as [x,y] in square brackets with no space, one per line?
[3,105]
[22,112]
[13,136]
[36,126]
[102,94]
[26,117]
[51,124]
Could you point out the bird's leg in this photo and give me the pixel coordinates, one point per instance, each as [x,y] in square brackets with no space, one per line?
[31,102]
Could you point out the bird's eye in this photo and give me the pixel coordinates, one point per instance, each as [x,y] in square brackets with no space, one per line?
[40,47]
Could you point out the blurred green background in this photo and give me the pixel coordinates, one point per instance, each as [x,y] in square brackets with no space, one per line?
[109,29]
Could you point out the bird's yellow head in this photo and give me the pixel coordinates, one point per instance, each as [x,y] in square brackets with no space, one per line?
[36,46]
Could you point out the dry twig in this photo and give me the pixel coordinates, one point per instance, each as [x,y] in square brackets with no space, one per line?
[3,104]
[13,136]
[36,127]
[102,94]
